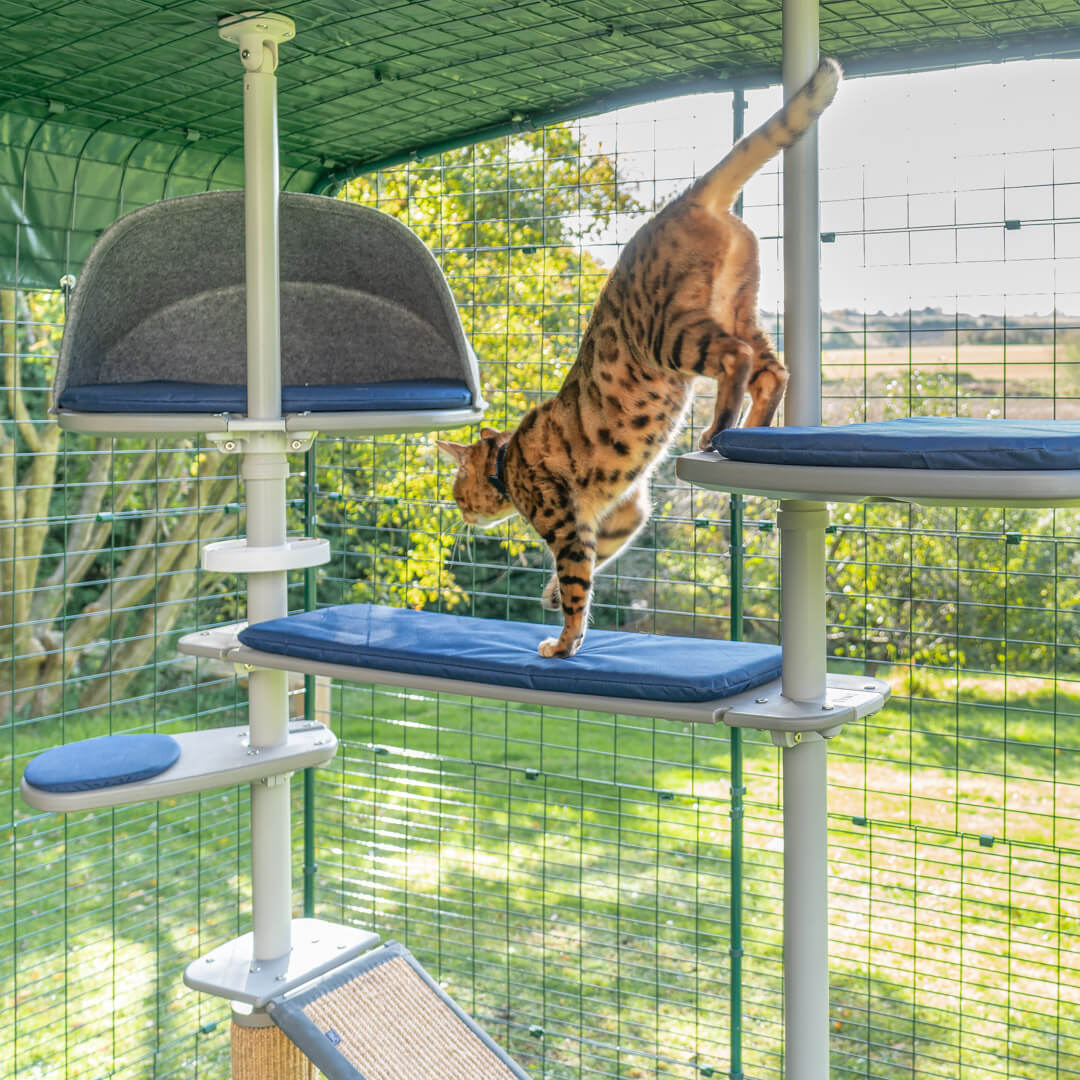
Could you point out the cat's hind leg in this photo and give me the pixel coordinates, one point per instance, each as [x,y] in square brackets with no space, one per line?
[703,347]
[616,531]
[767,383]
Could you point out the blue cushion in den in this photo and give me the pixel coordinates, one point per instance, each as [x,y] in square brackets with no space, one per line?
[610,662]
[913,443]
[168,396]
[102,762]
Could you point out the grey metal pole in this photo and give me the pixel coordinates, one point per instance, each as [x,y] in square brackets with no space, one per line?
[802,556]
[802,291]
[265,470]
[806,912]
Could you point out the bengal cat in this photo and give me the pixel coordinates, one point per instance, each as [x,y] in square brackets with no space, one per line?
[681,302]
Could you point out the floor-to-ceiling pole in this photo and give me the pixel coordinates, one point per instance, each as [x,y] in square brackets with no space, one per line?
[265,470]
[802,530]
[259,1050]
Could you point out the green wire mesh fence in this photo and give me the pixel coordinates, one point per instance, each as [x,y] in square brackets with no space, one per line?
[569,876]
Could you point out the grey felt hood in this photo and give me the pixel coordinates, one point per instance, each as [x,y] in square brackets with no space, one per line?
[161,296]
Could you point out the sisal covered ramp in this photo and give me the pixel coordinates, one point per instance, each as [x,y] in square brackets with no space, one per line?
[382,1017]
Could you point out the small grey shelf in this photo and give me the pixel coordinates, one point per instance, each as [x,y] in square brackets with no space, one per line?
[221,757]
[229,971]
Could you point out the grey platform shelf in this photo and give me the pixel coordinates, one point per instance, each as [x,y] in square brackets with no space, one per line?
[221,757]
[928,487]
[326,423]
[848,697]
[317,947]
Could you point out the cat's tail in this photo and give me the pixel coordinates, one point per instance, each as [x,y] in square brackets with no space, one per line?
[721,185]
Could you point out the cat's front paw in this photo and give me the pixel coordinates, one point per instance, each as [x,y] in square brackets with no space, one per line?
[550,598]
[551,648]
[705,442]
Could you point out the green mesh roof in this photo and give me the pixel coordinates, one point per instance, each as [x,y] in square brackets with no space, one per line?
[110,104]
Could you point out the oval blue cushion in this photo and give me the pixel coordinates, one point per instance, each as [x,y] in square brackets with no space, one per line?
[102,762]
[918,442]
[172,396]
[614,663]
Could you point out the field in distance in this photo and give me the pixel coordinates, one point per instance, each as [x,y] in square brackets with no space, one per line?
[1015,381]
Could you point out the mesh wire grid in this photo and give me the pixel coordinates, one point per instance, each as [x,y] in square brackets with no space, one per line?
[362,81]
[568,876]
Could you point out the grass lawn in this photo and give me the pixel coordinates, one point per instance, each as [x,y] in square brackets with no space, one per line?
[568,878]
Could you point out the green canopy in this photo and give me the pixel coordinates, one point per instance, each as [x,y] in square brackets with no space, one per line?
[108,106]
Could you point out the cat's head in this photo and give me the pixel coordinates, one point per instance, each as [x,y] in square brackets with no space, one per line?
[476,485]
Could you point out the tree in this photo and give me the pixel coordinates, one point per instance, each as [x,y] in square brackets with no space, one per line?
[509,221]
[88,549]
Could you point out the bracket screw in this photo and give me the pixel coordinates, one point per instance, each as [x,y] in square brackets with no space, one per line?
[827,708]
[245,53]
[761,700]
[296,444]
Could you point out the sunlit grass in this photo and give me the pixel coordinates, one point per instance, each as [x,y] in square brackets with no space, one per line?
[568,878]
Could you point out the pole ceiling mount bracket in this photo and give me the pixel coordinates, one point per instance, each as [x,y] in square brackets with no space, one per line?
[257,35]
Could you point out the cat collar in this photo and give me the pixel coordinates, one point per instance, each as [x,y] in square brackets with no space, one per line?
[498,478]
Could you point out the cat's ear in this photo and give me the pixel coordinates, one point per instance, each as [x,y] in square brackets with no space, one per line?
[501,437]
[451,451]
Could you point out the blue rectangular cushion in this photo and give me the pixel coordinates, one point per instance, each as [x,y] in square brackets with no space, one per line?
[168,396]
[610,662]
[913,443]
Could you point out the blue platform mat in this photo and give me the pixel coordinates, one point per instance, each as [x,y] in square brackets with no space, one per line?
[102,762]
[914,443]
[167,396]
[612,663]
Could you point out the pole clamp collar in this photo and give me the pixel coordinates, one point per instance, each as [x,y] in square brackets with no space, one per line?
[257,35]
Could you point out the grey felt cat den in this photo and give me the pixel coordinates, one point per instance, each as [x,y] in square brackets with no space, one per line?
[155,338]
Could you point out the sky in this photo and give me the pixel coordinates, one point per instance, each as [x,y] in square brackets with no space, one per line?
[918,175]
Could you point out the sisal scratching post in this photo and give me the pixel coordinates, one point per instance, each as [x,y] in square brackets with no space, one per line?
[265,1053]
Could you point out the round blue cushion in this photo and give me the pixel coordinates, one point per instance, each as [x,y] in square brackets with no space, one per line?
[102,762]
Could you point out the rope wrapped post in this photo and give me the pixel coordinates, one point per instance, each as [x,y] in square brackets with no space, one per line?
[262,1051]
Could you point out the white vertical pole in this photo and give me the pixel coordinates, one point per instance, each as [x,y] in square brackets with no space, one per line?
[265,470]
[802,559]
[806,912]
[802,291]
[261,241]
